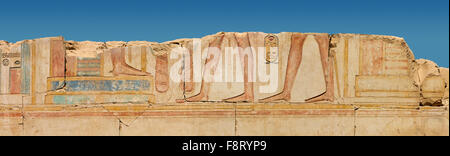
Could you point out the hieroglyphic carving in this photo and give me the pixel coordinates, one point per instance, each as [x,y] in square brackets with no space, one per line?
[271,44]
[17,65]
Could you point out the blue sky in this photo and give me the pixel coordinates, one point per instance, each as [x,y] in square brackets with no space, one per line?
[424,24]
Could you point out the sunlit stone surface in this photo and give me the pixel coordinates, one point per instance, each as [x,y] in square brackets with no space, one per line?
[250,83]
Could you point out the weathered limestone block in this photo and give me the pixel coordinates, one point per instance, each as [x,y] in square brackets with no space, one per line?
[83,58]
[373,68]
[74,126]
[145,126]
[11,121]
[445,74]
[84,48]
[11,126]
[25,67]
[228,83]
[115,44]
[423,69]
[289,126]
[231,67]
[400,126]
[432,81]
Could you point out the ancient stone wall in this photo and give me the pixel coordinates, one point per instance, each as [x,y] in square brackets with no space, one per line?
[229,83]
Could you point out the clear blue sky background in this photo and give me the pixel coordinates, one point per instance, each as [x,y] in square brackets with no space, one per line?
[424,24]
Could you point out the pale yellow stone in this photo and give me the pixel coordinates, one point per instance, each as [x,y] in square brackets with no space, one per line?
[11,126]
[115,44]
[84,48]
[401,126]
[423,69]
[167,126]
[140,43]
[298,125]
[162,49]
[73,126]
[445,74]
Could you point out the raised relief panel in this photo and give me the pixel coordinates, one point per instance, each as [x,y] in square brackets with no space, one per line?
[372,82]
[309,76]
[310,80]
[128,83]
[307,69]
[16,74]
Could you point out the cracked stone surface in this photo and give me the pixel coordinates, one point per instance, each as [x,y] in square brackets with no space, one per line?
[228,83]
